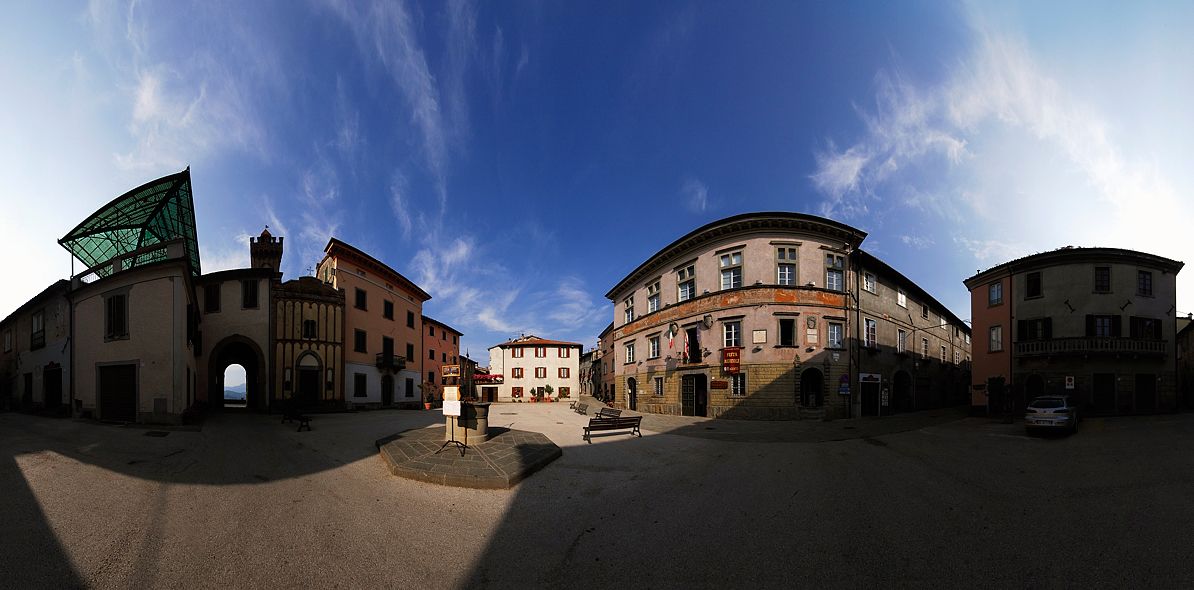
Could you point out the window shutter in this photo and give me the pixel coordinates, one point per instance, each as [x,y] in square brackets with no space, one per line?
[1022,330]
[1090,326]
[1048,328]
[1134,327]
[1116,330]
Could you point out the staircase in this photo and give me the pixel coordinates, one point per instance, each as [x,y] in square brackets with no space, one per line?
[812,413]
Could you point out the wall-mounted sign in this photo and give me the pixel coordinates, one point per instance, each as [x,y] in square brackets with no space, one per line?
[843,385]
[759,337]
[1069,381]
[719,384]
[451,370]
[731,360]
[884,398]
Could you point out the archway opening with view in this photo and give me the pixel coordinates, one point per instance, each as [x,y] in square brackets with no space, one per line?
[235,387]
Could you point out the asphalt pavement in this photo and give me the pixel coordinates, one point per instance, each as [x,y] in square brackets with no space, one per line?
[249,502]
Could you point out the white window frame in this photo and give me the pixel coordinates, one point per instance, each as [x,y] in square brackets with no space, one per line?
[730,264]
[870,333]
[830,340]
[943,353]
[957,357]
[731,334]
[901,341]
[541,372]
[738,385]
[901,298]
[924,348]
[686,277]
[653,297]
[628,352]
[653,347]
[628,310]
[658,386]
[868,282]
[995,339]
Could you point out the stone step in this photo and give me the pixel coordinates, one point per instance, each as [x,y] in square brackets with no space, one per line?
[812,413]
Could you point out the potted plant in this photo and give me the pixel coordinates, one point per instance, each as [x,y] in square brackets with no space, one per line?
[547,390]
[428,395]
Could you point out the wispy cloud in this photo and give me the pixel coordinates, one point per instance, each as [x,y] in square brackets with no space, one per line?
[918,242]
[695,194]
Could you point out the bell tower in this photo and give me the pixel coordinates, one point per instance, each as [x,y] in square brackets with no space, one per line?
[265,251]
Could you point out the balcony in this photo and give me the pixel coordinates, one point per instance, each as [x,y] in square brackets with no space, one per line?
[1086,346]
[390,362]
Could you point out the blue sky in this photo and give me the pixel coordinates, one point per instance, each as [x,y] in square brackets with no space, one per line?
[516,159]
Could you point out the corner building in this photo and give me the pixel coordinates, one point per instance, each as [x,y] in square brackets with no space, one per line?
[780,316]
[1094,323]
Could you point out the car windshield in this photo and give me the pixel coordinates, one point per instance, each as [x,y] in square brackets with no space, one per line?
[1048,403]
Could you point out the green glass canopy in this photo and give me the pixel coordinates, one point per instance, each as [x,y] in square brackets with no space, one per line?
[156,212]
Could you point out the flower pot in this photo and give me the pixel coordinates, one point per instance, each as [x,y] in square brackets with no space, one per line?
[426,405]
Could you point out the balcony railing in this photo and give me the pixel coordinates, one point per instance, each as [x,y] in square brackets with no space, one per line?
[1065,346]
[390,362]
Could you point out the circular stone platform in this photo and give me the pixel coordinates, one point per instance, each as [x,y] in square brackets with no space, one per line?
[507,458]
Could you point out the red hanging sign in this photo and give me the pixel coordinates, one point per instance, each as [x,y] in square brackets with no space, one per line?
[731,360]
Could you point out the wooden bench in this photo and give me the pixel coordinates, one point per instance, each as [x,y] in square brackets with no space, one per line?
[290,413]
[597,424]
[609,413]
[582,409]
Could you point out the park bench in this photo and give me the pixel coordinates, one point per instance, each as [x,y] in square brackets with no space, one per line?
[609,413]
[597,424]
[292,414]
[582,409]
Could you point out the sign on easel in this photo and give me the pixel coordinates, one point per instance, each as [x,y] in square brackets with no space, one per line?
[451,407]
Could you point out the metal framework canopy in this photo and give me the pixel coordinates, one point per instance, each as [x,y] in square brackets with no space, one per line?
[156,212]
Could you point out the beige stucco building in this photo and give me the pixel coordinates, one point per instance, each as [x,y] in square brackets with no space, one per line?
[777,316]
[530,364]
[35,352]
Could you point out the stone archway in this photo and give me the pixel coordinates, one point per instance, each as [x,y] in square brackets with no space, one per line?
[238,350]
[307,392]
[812,388]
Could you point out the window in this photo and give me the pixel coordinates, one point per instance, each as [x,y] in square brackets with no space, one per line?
[443,357]
[731,334]
[943,353]
[653,347]
[658,389]
[540,372]
[565,391]
[359,383]
[943,325]
[901,298]
[362,300]
[731,270]
[738,384]
[692,348]
[957,357]
[968,339]
[431,330]
[924,348]
[443,335]
[995,339]
[515,392]
[833,272]
[564,373]
[116,317]
[431,377]
[1102,326]
[924,311]
[868,282]
[686,283]
[387,309]
[630,352]
[1144,283]
[787,332]
[1032,285]
[628,310]
[359,339]
[410,387]
[516,373]
[211,298]
[834,338]
[37,330]
[994,294]
[1102,279]
[410,351]
[410,319]
[8,341]
[564,352]
[540,352]
[454,339]
[1035,329]
[516,353]
[901,341]
[870,333]
[1146,328]
[653,297]
[248,293]
[430,354]
[785,266]
[310,329]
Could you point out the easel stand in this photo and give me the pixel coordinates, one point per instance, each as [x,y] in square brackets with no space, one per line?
[460,445]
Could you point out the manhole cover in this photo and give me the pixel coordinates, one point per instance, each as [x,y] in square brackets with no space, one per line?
[157,433]
[509,413]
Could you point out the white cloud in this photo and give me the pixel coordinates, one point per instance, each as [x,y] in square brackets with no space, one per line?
[696,195]
[918,242]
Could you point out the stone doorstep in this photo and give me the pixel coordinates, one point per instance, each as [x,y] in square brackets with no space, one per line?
[494,464]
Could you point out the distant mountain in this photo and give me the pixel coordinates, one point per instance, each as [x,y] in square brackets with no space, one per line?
[235,392]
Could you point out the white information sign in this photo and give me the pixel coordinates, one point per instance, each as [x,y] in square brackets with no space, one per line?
[451,408]
[1069,382]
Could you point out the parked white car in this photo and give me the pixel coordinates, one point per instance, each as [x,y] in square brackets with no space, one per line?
[1051,412]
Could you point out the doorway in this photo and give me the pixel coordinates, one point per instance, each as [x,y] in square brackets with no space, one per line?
[1146,392]
[901,392]
[869,398]
[387,390]
[632,394]
[1103,397]
[234,391]
[812,384]
[118,393]
[1034,387]
[694,395]
[51,380]
[489,394]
